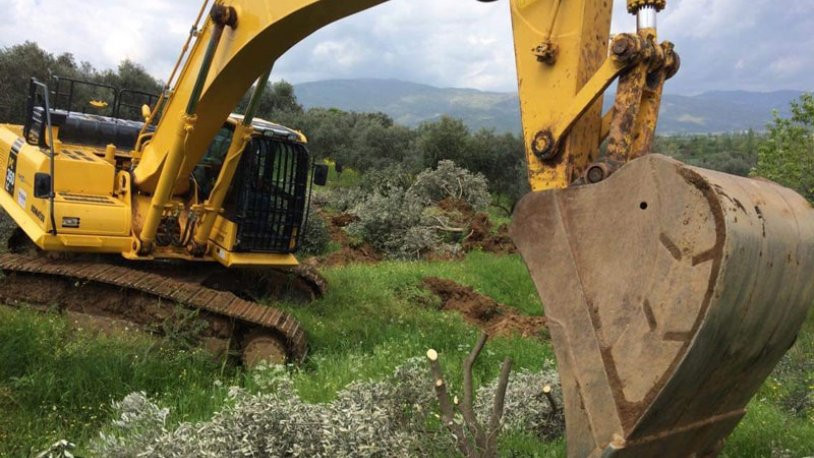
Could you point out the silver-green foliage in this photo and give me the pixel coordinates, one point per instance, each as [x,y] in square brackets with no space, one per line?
[527,408]
[404,222]
[315,238]
[392,417]
[450,181]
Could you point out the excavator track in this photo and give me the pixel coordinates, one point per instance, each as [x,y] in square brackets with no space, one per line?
[150,298]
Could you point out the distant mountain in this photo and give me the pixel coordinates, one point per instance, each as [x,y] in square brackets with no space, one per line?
[412,103]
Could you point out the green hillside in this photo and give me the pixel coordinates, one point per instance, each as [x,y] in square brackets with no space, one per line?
[411,104]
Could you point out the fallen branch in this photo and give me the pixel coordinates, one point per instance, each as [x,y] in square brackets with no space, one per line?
[443,227]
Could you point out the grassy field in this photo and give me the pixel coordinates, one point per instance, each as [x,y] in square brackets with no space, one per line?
[56,382]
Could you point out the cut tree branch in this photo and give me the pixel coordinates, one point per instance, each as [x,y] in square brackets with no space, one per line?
[471,438]
[447,408]
[466,407]
[497,408]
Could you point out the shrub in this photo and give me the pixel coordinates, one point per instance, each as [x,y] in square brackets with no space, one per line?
[403,221]
[316,237]
[392,223]
[450,181]
[7,226]
[394,176]
[384,418]
[345,199]
[392,417]
[527,408]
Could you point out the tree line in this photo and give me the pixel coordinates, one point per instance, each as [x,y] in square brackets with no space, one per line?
[19,63]
[368,141]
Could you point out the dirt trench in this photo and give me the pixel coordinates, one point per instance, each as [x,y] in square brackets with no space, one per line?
[494,318]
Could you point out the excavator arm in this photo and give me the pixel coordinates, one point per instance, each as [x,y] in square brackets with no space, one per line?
[671,291]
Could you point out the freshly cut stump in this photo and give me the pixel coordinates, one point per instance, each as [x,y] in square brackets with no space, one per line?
[671,292]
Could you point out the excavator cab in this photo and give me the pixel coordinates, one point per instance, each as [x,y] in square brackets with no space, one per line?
[266,205]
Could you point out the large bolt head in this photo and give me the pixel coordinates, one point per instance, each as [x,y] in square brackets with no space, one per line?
[620,46]
[543,146]
[595,174]
[625,47]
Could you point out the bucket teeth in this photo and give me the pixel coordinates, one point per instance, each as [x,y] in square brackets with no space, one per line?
[671,293]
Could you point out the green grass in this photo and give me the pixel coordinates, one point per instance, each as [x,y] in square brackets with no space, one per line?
[345,180]
[375,317]
[781,416]
[56,383]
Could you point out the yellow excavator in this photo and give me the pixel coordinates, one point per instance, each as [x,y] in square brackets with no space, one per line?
[671,291]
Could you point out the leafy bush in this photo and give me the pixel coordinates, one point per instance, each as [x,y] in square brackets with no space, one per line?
[392,223]
[787,155]
[316,237]
[371,419]
[401,218]
[450,181]
[7,226]
[345,199]
[392,417]
[527,408]
[392,177]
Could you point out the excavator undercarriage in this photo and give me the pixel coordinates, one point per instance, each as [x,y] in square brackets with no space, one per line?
[235,306]
[227,314]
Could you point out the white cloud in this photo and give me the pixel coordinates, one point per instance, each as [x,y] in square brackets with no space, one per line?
[103,32]
[713,19]
[786,66]
[344,53]
[723,43]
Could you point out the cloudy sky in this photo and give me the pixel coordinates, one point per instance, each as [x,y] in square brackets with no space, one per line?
[759,45]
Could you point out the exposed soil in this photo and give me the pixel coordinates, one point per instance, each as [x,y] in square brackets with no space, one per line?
[101,325]
[364,254]
[456,205]
[348,254]
[494,318]
[482,237]
[343,219]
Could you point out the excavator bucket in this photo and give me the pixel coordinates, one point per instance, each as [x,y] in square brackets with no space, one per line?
[671,293]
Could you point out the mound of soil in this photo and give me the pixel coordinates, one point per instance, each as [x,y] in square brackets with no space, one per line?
[348,254]
[343,219]
[481,236]
[450,205]
[494,318]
